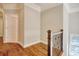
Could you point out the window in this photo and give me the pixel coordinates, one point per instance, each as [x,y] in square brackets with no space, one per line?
[74,45]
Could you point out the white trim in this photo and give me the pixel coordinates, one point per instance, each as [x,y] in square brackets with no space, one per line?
[24,46]
[5,31]
[14,42]
[44,42]
[66,30]
[34,6]
[27,45]
[5,41]
[37,7]
[10,41]
[20,44]
[55,33]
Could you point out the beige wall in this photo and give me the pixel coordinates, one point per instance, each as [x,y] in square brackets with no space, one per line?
[31,26]
[21,25]
[14,24]
[51,19]
[10,27]
[1,23]
[1,26]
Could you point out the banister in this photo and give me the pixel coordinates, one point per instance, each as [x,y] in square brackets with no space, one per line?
[49,42]
[61,39]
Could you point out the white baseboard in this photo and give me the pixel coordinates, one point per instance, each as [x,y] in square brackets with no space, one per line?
[9,41]
[31,44]
[44,42]
[20,43]
[27,45]
[14,42]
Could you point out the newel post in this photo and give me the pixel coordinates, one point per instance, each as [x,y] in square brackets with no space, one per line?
[49,42]
[61,39]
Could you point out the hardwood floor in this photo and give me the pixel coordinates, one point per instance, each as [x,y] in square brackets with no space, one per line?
[1,40]
[11,49]
[36,50]
[41,49]
[14,49]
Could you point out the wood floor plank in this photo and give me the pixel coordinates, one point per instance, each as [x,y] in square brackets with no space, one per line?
[40,49]
[35,50]
[14,49]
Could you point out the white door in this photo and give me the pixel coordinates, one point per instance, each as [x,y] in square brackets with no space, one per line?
[11,28]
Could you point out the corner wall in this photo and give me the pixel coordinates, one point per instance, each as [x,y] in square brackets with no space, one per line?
[21,25]
[31,26]
[51,19]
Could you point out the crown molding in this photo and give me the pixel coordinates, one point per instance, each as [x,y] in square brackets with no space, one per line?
[33,6]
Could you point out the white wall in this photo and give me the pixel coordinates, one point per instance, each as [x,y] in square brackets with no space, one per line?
[13,23]
[74,23]
[66,30]
[10,28]
[51,19]
[70,25]
[31,26]
[35,21]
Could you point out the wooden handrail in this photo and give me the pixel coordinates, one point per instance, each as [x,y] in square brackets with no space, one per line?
[49,42]
[61,30]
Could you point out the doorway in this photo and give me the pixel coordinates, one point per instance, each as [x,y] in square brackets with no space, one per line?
[1,27]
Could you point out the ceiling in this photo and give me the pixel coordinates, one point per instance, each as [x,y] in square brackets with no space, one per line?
[72,7]
[36,6]
[45,6]
[42,6]
[11,5]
